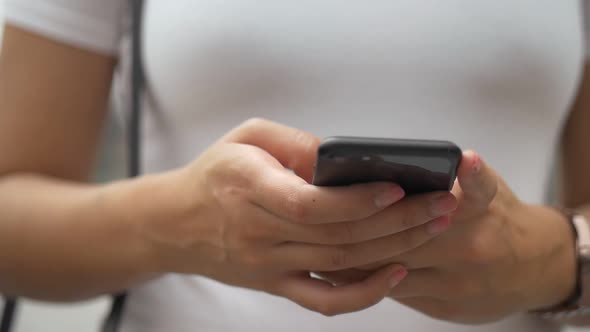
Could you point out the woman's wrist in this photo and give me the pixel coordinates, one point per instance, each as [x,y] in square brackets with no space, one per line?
[116,212]
[163,216]
[558,268]
[578,301]
[132,204]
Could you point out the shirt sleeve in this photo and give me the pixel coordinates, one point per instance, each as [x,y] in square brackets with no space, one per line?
[95,25]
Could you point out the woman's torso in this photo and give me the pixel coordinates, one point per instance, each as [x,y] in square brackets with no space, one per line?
[496,76]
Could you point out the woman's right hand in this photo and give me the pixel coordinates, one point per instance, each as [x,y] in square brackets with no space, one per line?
[242,217]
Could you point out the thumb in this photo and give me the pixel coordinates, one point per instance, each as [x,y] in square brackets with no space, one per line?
[478,182]
[323,297]
[293,148]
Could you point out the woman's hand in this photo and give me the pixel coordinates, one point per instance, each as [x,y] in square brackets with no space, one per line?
[501,256]
[239,216]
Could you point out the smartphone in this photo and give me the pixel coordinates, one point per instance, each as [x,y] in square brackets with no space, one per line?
[418,166]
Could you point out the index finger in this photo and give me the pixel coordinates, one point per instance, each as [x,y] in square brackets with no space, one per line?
[327,299]
[293,148]
[288,197]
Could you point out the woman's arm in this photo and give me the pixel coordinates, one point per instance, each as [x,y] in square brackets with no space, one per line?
[235,214]
[576,150]
[53,99]
[575,160]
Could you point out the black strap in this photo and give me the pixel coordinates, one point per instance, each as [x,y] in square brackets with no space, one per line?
[137,85]
[113,319]
[8,314]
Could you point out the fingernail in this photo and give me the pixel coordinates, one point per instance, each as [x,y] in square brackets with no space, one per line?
[439,225]
[397,277]
[390,196]
[476,163]
[442,204]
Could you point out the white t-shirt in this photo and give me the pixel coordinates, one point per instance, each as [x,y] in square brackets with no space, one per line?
[497,76]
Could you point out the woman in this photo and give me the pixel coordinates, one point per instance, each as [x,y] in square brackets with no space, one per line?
[239,232]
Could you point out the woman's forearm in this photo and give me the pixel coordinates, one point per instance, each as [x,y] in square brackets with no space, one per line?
[66,241]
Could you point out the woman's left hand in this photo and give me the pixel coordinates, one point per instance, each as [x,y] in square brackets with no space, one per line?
[501,256]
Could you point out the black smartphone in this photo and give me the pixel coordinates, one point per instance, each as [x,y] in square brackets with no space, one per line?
[418,166]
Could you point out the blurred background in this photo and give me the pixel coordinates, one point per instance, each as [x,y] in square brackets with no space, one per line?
[83,317]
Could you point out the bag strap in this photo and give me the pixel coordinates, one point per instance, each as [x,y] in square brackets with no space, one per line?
[113,319]
[8,314]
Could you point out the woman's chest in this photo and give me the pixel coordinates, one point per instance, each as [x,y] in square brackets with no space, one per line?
[497,76]
[227,53]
